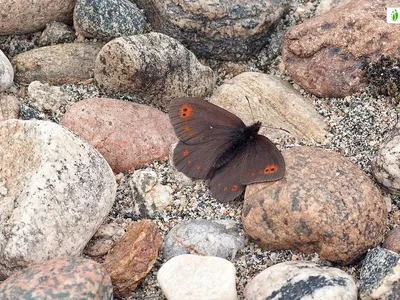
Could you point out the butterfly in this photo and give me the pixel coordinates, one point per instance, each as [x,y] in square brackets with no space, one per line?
[215,144]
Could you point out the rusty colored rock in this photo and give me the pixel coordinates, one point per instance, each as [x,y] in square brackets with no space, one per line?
[324,55]
[133,256]
[324,204]
[392,240]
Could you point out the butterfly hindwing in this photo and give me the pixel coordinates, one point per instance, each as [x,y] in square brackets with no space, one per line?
[198,121]
[262,162]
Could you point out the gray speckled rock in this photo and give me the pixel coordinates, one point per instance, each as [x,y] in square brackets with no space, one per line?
[301,280]
[56,33]
[324,204]
[9,107]
[6,72]
[153,67]
[204,237]
[107,19]
[44,97]
[380,275]
[223,29]
[386,166]
[56,192]
[73,278]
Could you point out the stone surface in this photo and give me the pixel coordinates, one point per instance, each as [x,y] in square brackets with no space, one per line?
[148,193]
[261,97]
[133,256]
[193,277]
[327,5]
[301,280]
[24,16]
[6,72]
[156,68]
[108,19]
[127,134]
[380,275]
[56,33]
[56,191]
[324,204]
[104,239]
[58,64]
[46,98]
[217,238]
[9,107]
[228,30]
[392,240]
[325,54]
[385,165]
[73,278]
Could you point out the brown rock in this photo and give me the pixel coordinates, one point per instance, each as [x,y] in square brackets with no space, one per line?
[324,204]
[261,97]
[73,278]
[155,68]
[9,107]
[228,30]
[133,256]
[58,64]
[127,134]
[392,240]
[325,54]
[24,16]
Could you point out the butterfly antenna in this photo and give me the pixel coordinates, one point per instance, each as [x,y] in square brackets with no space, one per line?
[278,128]
[251,111]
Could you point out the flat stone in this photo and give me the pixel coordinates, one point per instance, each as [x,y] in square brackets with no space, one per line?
[9,107]
[6,72]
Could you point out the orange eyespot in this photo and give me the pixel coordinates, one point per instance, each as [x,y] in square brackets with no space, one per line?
[270,169]
[185,153]
[185,111]
[235,187]
[187,128]
[198,167]
[225,189]
[189,162]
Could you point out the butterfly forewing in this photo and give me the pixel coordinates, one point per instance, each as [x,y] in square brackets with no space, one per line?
[198,121]
[262,162]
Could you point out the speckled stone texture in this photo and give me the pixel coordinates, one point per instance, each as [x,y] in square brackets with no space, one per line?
[73,278]
[24,16]
[324,54]
[324,204]
[133,256]
[392,240]
[380,275]
[58,64]
[107,19]
[301,280]
[55,192]
[127,134]
[204,237]
[153,67]
[9,107]
[386,163]
[6,72]
[222,29]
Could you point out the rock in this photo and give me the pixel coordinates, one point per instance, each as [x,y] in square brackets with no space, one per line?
[46,98]
[57,190]
[380,275]
[325,55]
[220,29]
[58,64]
[148,193]
[204,237]
[108,19]
[327,5]
[385,165]
[9,107]
[156,68]
[6,72]
[324,204]
[133,256]
[197,277]
[301,280]
[392,240]
[56,33]
[273,102]
[104,239]
[25,16]
[72,278]
[128,135]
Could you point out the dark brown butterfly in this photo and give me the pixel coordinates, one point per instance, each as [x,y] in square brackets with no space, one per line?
[215,144]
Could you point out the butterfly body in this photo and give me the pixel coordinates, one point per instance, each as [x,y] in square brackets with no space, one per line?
[215,144]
